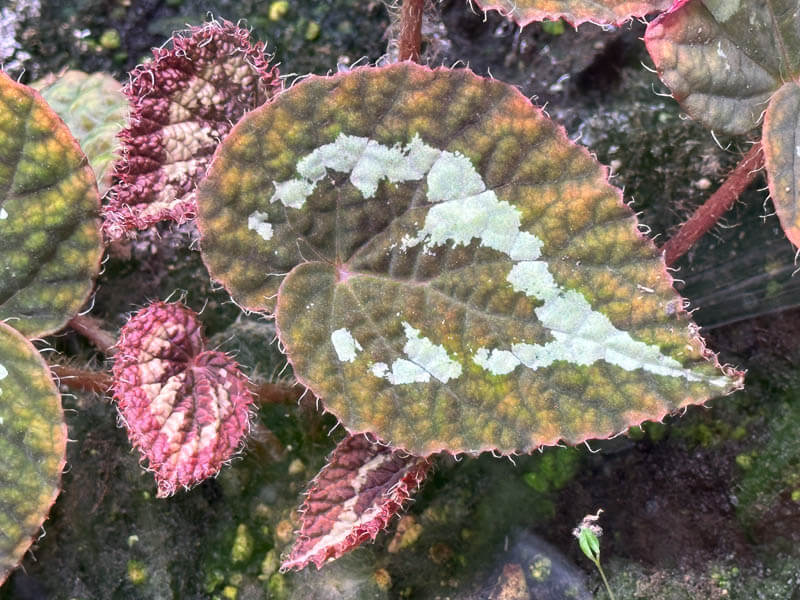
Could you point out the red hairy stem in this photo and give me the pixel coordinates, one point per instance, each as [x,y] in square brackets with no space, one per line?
[82,380]
[705,217]
[85,380]
[410,30]
[276,393]
[91,328]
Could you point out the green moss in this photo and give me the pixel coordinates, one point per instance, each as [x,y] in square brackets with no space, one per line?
[110,40]
[277,587]
[553,27]
[312,31]
[137,572]
[242,548]
[278,10]
[773,469]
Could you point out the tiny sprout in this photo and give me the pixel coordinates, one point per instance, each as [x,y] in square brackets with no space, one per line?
[588,533]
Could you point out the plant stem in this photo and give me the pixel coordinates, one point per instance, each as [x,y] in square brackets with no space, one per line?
[82,380]
[705,217]
[605,581]
[91,328]
[277,393]
[410,30]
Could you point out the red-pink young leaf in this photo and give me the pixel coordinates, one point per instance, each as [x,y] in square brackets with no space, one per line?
[353,498]
[182,104]
[186,409]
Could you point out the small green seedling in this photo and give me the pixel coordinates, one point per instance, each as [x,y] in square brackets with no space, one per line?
[588,533]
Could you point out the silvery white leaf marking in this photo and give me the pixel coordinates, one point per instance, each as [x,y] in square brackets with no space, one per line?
[463,210]
[346,346]
[423,360]
[258,222]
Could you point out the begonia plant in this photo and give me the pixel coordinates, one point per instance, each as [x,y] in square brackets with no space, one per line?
[446,270]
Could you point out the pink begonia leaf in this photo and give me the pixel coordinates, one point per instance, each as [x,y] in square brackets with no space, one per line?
[186,409]
[614,12]
[353,498]
[182,104]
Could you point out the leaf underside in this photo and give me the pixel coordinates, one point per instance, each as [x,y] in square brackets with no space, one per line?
[33,440]
[182,104]
[447,269]
[50,245]
[576,12]
[729,62]
[95,109]
[352,499]
[185,408]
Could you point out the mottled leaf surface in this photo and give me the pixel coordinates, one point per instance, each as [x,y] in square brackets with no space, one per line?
[447,269]
[50,245]
[723,60]
[729,62]
[574,11]
[185,407]
[353,498]
[96,110]
[33,440]
[182,104]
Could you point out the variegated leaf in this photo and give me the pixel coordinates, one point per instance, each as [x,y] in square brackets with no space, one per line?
[183,103]
[185,408]
[353,498]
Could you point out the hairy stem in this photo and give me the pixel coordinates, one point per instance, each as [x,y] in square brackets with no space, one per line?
[91,328]
[410,30]
[277,393]
[705,217]
[82,380]
[87,380]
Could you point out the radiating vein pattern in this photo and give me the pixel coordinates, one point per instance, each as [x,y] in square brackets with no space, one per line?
[33,439]
[50,245]
[447,270]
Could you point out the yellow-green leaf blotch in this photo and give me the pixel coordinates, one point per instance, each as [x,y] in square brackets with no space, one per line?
[446,268]
[33,438]
[95,109]
[50,245]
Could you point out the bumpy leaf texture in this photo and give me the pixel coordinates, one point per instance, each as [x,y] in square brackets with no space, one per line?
[576,12]
[446,268]
[182,104]
[353,498]
[185,408]
[95,109]
[729,62]
[33,440]
[50,242]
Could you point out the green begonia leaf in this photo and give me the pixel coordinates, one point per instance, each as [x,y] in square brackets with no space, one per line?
[574,11]
[50,244]
[727,63]
[33,440]
[447,269]
[96,110]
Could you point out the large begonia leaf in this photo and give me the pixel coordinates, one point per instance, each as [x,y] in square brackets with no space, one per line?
[95,109]
[724,60]
[33,440]
[50,245]
[186,408]
[447,269]
[353,498]
[729,62]
[576,12]
[182,104]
